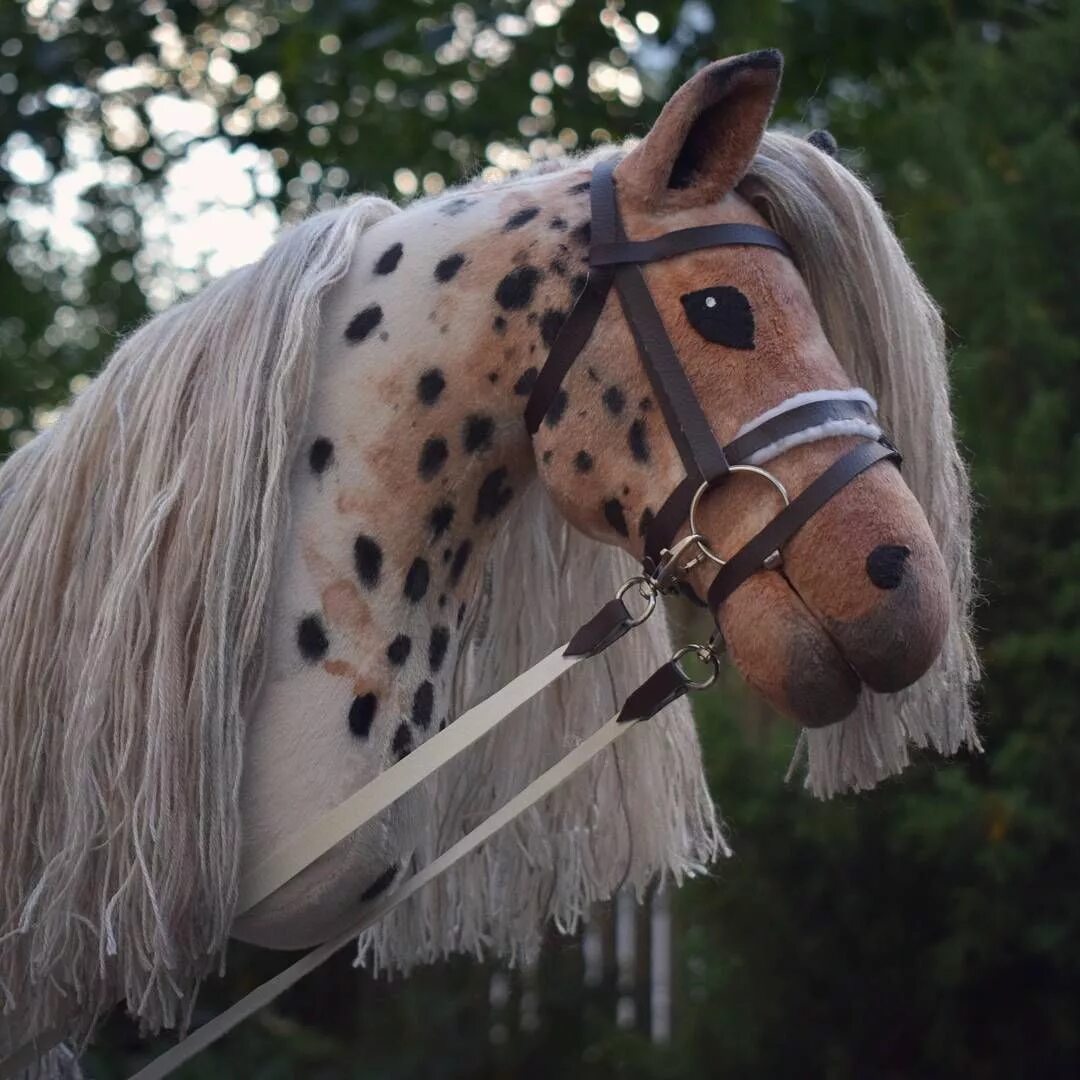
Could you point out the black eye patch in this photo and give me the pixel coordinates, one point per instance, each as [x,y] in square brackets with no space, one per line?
[721,314]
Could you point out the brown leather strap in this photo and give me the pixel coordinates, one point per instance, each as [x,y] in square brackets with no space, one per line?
[659,690]
[700,450]
[579,324]
[676,509]
[571,339]
[683,241]
[752,555]
[603,629]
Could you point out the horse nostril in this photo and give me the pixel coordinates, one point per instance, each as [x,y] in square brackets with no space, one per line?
[885,565]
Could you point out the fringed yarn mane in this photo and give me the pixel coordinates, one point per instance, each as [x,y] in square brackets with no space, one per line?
[137,542]
[887,333]
[640,812]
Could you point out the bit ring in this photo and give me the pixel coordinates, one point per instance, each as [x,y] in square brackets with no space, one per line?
[774,559]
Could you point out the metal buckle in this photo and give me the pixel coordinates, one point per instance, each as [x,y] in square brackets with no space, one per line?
[774,560]
[646,590]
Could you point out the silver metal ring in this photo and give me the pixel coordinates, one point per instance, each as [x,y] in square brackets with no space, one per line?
[646,590]
[774,559]
[706,656]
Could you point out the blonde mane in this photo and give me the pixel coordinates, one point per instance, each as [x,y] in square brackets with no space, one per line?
[888,334]
[137,542]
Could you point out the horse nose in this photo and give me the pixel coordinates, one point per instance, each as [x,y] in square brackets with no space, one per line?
[885,565]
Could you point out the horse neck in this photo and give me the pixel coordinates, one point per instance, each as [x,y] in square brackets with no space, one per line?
[414,450]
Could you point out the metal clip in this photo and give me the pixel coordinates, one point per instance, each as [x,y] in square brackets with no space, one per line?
[707,655]
[646,590]
[669,570]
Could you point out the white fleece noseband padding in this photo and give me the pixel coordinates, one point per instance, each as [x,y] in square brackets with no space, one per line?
[828,430]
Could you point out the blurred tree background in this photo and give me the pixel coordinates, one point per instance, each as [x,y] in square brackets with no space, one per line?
[930,928]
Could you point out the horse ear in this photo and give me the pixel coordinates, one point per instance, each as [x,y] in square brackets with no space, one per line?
[706,136]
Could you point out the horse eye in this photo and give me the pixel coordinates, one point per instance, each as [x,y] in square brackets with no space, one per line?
[721,314]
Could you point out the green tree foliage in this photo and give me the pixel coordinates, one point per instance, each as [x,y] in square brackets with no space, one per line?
[927,929]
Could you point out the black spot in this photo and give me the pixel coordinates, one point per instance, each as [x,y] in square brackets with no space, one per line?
[645,404]
[364,323]
[397,652]
[455,207]
[422,705]
[440,639]
[442,600]
[523,387]
[368,557]
[447,554]
[493,496]
[430,385]
[522,217]
[885,565]
[433,456]
[531,318]
[388,260]
[416,580]
[591,372]
[578,189]
[461,557]
[558,223]
[546,457]
[639,447]
[321,455]
[446,268]
[583,461]
[440,519]
[460,615]
[550,325]
[583,233]
[557,266]
[577,285]
[311,638]
[721,314]
[647,518]
[380,884]
[478,433]
[362,713]
[613,513]
[498,324]
[556,408]
[615,400]
[402,745]
[515,291]
[493,377]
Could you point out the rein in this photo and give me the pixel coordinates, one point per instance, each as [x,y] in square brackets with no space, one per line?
[614,263]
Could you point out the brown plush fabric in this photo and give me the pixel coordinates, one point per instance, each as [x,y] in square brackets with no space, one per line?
[704,140]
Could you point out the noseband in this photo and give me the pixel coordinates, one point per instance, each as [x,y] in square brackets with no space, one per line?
[615,261]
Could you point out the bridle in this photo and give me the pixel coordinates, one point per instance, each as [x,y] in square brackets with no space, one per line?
[614,262]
